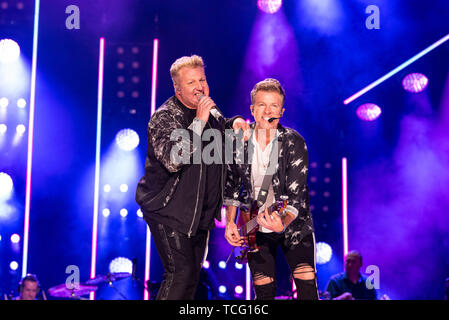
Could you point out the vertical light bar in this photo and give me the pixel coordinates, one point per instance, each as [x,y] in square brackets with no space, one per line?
[93,264]
[344,166]
[248,283]
[26,224]
[396,70]
[152,110]
[154,75]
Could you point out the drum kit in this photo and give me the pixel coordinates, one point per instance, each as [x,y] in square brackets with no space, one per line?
[76,291]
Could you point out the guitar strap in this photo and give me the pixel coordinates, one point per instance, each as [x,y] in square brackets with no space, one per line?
[268,178]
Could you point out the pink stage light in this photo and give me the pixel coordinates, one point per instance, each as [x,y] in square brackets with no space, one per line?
[269,6]
[415,82]
[368,112]
[344,167]
[26,224]
[146,294]
[93,264]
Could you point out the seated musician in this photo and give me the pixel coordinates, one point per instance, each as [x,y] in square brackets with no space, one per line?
[29,288]
[291,229]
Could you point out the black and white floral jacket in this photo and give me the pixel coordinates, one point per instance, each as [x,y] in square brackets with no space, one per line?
[290,179]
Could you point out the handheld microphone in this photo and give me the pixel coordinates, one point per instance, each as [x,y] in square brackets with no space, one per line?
[214,110]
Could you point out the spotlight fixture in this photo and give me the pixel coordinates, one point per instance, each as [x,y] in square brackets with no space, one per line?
[9,51]
[269,6]
[368,112]
[415,82]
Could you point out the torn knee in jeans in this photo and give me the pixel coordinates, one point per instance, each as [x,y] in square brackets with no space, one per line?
[264,287]
[260,279]
[304,271]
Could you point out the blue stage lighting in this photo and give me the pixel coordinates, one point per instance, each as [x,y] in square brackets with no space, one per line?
[123,212]
[21,103]
[4,102]
[121,264]
[9,51]
[323,253]
[3,128]
[13,265]
[127,139]
[6,185]
[15,238]
[222,289]
[222,265]
[269,6]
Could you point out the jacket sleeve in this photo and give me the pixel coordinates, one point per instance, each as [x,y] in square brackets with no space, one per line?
[172,143]
[296,177]
[232,187]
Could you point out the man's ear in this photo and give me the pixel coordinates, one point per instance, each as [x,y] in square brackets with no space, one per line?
[252,109]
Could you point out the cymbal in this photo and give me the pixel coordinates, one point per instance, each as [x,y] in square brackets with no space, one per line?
[110,277]
[62,291]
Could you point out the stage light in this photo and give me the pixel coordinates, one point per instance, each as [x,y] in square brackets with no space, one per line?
[206,264]
[21,103]
[121,264]
[269,6]
[15,238]
[415,82]
[20,129]
[14,265]
[368,112]
[107,188]
[4,102]
[323,253]
[9,51]
[123,213]
[127,139]
[238,289]
[3,128]
[5,185]
[238,266]
[106,212]
[123,187]
[139,213]
[222,265]
[222,289]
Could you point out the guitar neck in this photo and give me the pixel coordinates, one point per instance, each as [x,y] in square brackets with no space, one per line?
[250,225]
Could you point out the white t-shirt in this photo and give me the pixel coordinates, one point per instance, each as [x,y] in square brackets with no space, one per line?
[260,161]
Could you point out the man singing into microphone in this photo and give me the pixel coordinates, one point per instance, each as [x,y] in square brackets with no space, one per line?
[180,200]
[251,184]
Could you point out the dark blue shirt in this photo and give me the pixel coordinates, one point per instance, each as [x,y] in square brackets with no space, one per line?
[339,284]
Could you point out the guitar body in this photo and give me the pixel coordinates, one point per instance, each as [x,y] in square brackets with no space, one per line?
[248,227]
[249,238]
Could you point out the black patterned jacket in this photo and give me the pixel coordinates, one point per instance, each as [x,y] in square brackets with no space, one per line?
[172,193]
[290,179]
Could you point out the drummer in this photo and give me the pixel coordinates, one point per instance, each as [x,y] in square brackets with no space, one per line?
[29,288]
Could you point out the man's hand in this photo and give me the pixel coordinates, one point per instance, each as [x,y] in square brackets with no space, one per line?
[345,296]
[240,124]
[232,235]
[203,109]
[271,222]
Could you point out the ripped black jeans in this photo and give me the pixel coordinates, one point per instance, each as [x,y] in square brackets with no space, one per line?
[300,258]
[181,257]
